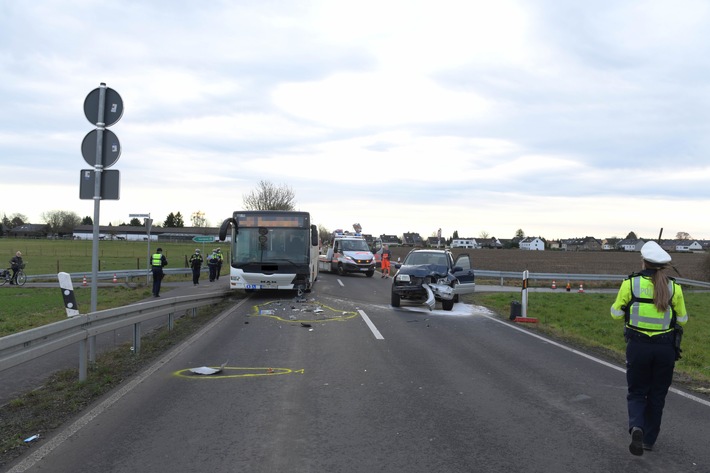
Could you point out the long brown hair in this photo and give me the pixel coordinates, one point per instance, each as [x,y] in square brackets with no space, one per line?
[661,293]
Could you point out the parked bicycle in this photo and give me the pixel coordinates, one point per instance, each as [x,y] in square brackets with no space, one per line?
[6,276]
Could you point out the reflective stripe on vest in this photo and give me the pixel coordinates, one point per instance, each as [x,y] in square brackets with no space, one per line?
[643,314]
[156,260]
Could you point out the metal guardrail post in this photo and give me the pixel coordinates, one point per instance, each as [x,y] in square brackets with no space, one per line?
[171,321]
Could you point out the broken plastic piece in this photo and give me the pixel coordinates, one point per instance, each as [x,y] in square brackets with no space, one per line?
[207,370]
[32,439]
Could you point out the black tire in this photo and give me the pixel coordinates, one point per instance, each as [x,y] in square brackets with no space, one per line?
[3,280]
[341,271]
[370,273]
[21,278]
[447,305]
[396,300]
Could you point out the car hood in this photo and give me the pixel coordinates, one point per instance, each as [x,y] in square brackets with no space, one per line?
[424,270]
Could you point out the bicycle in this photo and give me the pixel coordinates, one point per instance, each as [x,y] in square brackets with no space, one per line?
[6,276]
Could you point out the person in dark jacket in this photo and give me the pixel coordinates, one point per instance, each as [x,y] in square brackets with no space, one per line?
[157,261]
[196,265]
[16,265]
[213,264]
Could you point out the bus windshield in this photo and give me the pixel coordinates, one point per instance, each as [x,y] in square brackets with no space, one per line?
[256,245]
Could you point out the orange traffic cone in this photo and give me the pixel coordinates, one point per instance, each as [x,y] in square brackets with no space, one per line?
[84,282]
[554,286]
[114,278]
[581,288]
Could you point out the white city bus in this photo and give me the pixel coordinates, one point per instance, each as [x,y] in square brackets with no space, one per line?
[272,249]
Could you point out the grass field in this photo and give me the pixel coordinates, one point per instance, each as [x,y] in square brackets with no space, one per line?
[74,256]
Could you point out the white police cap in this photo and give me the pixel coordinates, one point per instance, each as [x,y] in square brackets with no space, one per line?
[653,253]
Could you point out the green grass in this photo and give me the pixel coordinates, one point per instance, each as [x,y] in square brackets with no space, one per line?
[584,320]
[74,256]
[23,308]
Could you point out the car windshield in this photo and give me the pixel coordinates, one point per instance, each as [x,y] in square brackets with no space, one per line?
[426,258]
[355,245]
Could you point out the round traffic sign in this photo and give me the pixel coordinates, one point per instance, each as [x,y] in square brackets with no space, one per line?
[111,148]
[113,106]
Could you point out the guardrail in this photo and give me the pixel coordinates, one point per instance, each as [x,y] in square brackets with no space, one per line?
[24,346]
[518,276]
[120,274]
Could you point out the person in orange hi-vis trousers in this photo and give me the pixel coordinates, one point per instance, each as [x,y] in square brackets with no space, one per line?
[386,257]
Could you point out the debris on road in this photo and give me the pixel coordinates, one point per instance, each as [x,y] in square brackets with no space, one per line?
[205,370]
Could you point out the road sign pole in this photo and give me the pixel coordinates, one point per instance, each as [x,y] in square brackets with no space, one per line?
[98,168]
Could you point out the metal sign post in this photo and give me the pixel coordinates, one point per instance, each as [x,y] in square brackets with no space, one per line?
[95,110]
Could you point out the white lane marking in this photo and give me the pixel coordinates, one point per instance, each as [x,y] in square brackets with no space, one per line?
[589,357]
[369,323]
[341,283]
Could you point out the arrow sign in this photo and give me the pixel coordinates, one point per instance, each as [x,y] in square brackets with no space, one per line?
[202,239]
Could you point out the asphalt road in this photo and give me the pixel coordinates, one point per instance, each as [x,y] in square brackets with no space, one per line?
[344,383]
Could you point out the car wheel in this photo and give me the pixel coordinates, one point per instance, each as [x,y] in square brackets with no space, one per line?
[370,273]
[396,300]
[341,271]
[447,305]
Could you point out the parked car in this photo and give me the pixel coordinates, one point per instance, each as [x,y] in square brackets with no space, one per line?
[426,276]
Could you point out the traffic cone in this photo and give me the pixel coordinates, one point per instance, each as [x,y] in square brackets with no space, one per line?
[568,287]
[554,286]
[114,278]
[84,282]
[581,289]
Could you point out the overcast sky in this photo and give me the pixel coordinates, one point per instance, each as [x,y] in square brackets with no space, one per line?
[560,118]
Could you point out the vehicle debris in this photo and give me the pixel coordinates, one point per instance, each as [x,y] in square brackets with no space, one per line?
[205,370]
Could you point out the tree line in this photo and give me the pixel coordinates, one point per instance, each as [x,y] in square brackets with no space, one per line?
[266,196]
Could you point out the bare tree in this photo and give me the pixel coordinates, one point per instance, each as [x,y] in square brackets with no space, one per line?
[483,235]
[198,219]
[323,234]
[267,196]
[683,236]
[61,222]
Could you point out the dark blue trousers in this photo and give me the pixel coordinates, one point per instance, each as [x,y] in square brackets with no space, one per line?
[157,279]
[649,372]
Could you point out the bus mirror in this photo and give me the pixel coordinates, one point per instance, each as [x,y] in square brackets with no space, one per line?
[314,235]
[225,226]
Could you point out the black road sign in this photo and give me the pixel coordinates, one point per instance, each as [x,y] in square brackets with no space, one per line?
[113,106]
[111,148]
[110,184]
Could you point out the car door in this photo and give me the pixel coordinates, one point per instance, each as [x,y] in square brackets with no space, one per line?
[466,277]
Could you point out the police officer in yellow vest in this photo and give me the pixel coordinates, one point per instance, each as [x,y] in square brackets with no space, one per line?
[652,305]
[157,261]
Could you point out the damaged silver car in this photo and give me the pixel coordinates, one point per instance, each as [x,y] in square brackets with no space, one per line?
[426,276]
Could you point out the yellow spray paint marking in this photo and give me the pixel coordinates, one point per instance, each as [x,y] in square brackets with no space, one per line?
[285,312]
[238,372]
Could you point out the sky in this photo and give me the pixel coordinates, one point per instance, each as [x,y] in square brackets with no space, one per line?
[558,118]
